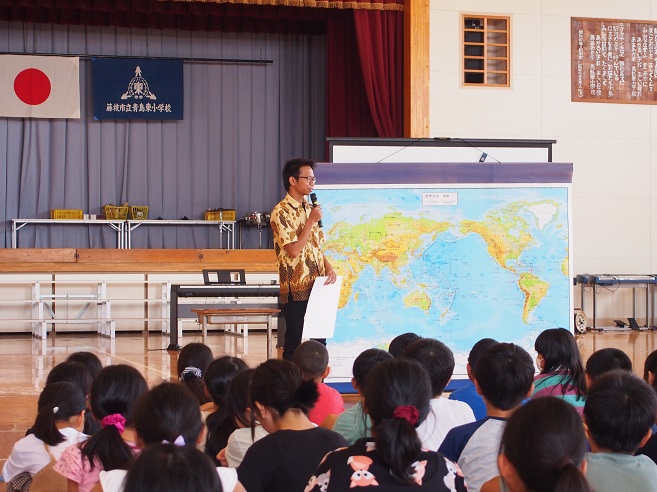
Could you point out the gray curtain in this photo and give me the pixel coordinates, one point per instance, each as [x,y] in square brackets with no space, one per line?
[241,122]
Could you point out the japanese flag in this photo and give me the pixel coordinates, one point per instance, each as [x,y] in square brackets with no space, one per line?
[39,86]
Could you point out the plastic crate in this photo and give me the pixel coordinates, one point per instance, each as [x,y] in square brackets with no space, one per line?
[139,212]
[116,212]
[227,214]
[68,214]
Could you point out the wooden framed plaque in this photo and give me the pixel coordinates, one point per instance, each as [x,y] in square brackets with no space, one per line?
[613,61]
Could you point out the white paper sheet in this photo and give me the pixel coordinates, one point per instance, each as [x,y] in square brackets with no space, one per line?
[322,310]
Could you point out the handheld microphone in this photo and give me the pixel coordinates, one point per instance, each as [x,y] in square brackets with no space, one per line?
[313,200]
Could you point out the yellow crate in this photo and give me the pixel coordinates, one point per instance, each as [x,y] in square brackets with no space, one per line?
[227,214]
[139,212]
[116,212]
[68,214]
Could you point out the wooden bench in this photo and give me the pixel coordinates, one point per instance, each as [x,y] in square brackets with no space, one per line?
[237,316]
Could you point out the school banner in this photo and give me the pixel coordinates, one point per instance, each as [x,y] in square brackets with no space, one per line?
[39,86]
[137,89]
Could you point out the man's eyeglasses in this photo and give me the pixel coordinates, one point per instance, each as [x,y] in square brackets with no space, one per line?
[310,179]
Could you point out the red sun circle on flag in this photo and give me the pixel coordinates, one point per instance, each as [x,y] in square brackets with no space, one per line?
[32,86]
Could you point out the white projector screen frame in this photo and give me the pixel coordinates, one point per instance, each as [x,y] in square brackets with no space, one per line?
[357,150]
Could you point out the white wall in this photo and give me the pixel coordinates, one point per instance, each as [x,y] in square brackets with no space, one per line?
[612,146]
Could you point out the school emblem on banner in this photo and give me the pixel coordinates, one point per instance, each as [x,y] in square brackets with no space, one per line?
[137,89]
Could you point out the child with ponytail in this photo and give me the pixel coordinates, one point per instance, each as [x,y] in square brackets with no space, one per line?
[114,393]
[193,362]
[285,459]
[58,425]
[396,397]
[168,414]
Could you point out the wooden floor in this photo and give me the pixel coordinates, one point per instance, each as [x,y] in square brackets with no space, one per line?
[25,363]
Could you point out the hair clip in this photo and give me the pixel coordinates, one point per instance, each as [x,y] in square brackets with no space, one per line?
[55,409]
[190,372]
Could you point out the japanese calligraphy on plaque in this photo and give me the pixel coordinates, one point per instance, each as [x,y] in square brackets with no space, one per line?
[613,61]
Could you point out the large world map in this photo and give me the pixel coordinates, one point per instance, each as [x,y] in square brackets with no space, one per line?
[456,264]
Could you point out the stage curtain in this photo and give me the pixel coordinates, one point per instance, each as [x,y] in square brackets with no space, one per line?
[347,109]
[379,35]
[364,88]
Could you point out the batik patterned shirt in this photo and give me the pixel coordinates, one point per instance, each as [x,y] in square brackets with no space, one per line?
[296,275]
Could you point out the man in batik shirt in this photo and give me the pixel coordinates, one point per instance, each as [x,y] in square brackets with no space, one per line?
[297,241]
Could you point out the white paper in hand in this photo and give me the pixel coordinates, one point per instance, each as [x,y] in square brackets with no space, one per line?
[322,310]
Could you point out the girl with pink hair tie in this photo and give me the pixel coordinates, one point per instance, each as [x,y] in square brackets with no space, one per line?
[396,396]
[114,393]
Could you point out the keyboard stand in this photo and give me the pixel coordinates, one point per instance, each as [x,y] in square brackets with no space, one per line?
[615,282]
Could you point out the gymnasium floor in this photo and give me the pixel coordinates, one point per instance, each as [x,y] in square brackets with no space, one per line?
[25,363]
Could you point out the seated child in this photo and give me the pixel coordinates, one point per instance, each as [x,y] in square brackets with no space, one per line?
[649,370]
[284,460]
[75,372]
[438,360]
[605,360]
[619,413]
[193,360]
[397,399]
[468,393]
[88,360]
[312,358]
[167,414]
[238,409]
[400,342]
[504,377]
[58,425]
[353,423]
[561,369]
[219,424]
[170,468]
[542,449]
[216,378]
[114,394]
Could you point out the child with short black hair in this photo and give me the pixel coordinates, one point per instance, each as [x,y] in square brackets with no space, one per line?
[313,358]
[504,376]
[77,373]
[71,372]
[650,369]
[467,393]
[88,360]
[171,468]
[606,360]
[353,423]
[400,342]
[619,413]
[438,360]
